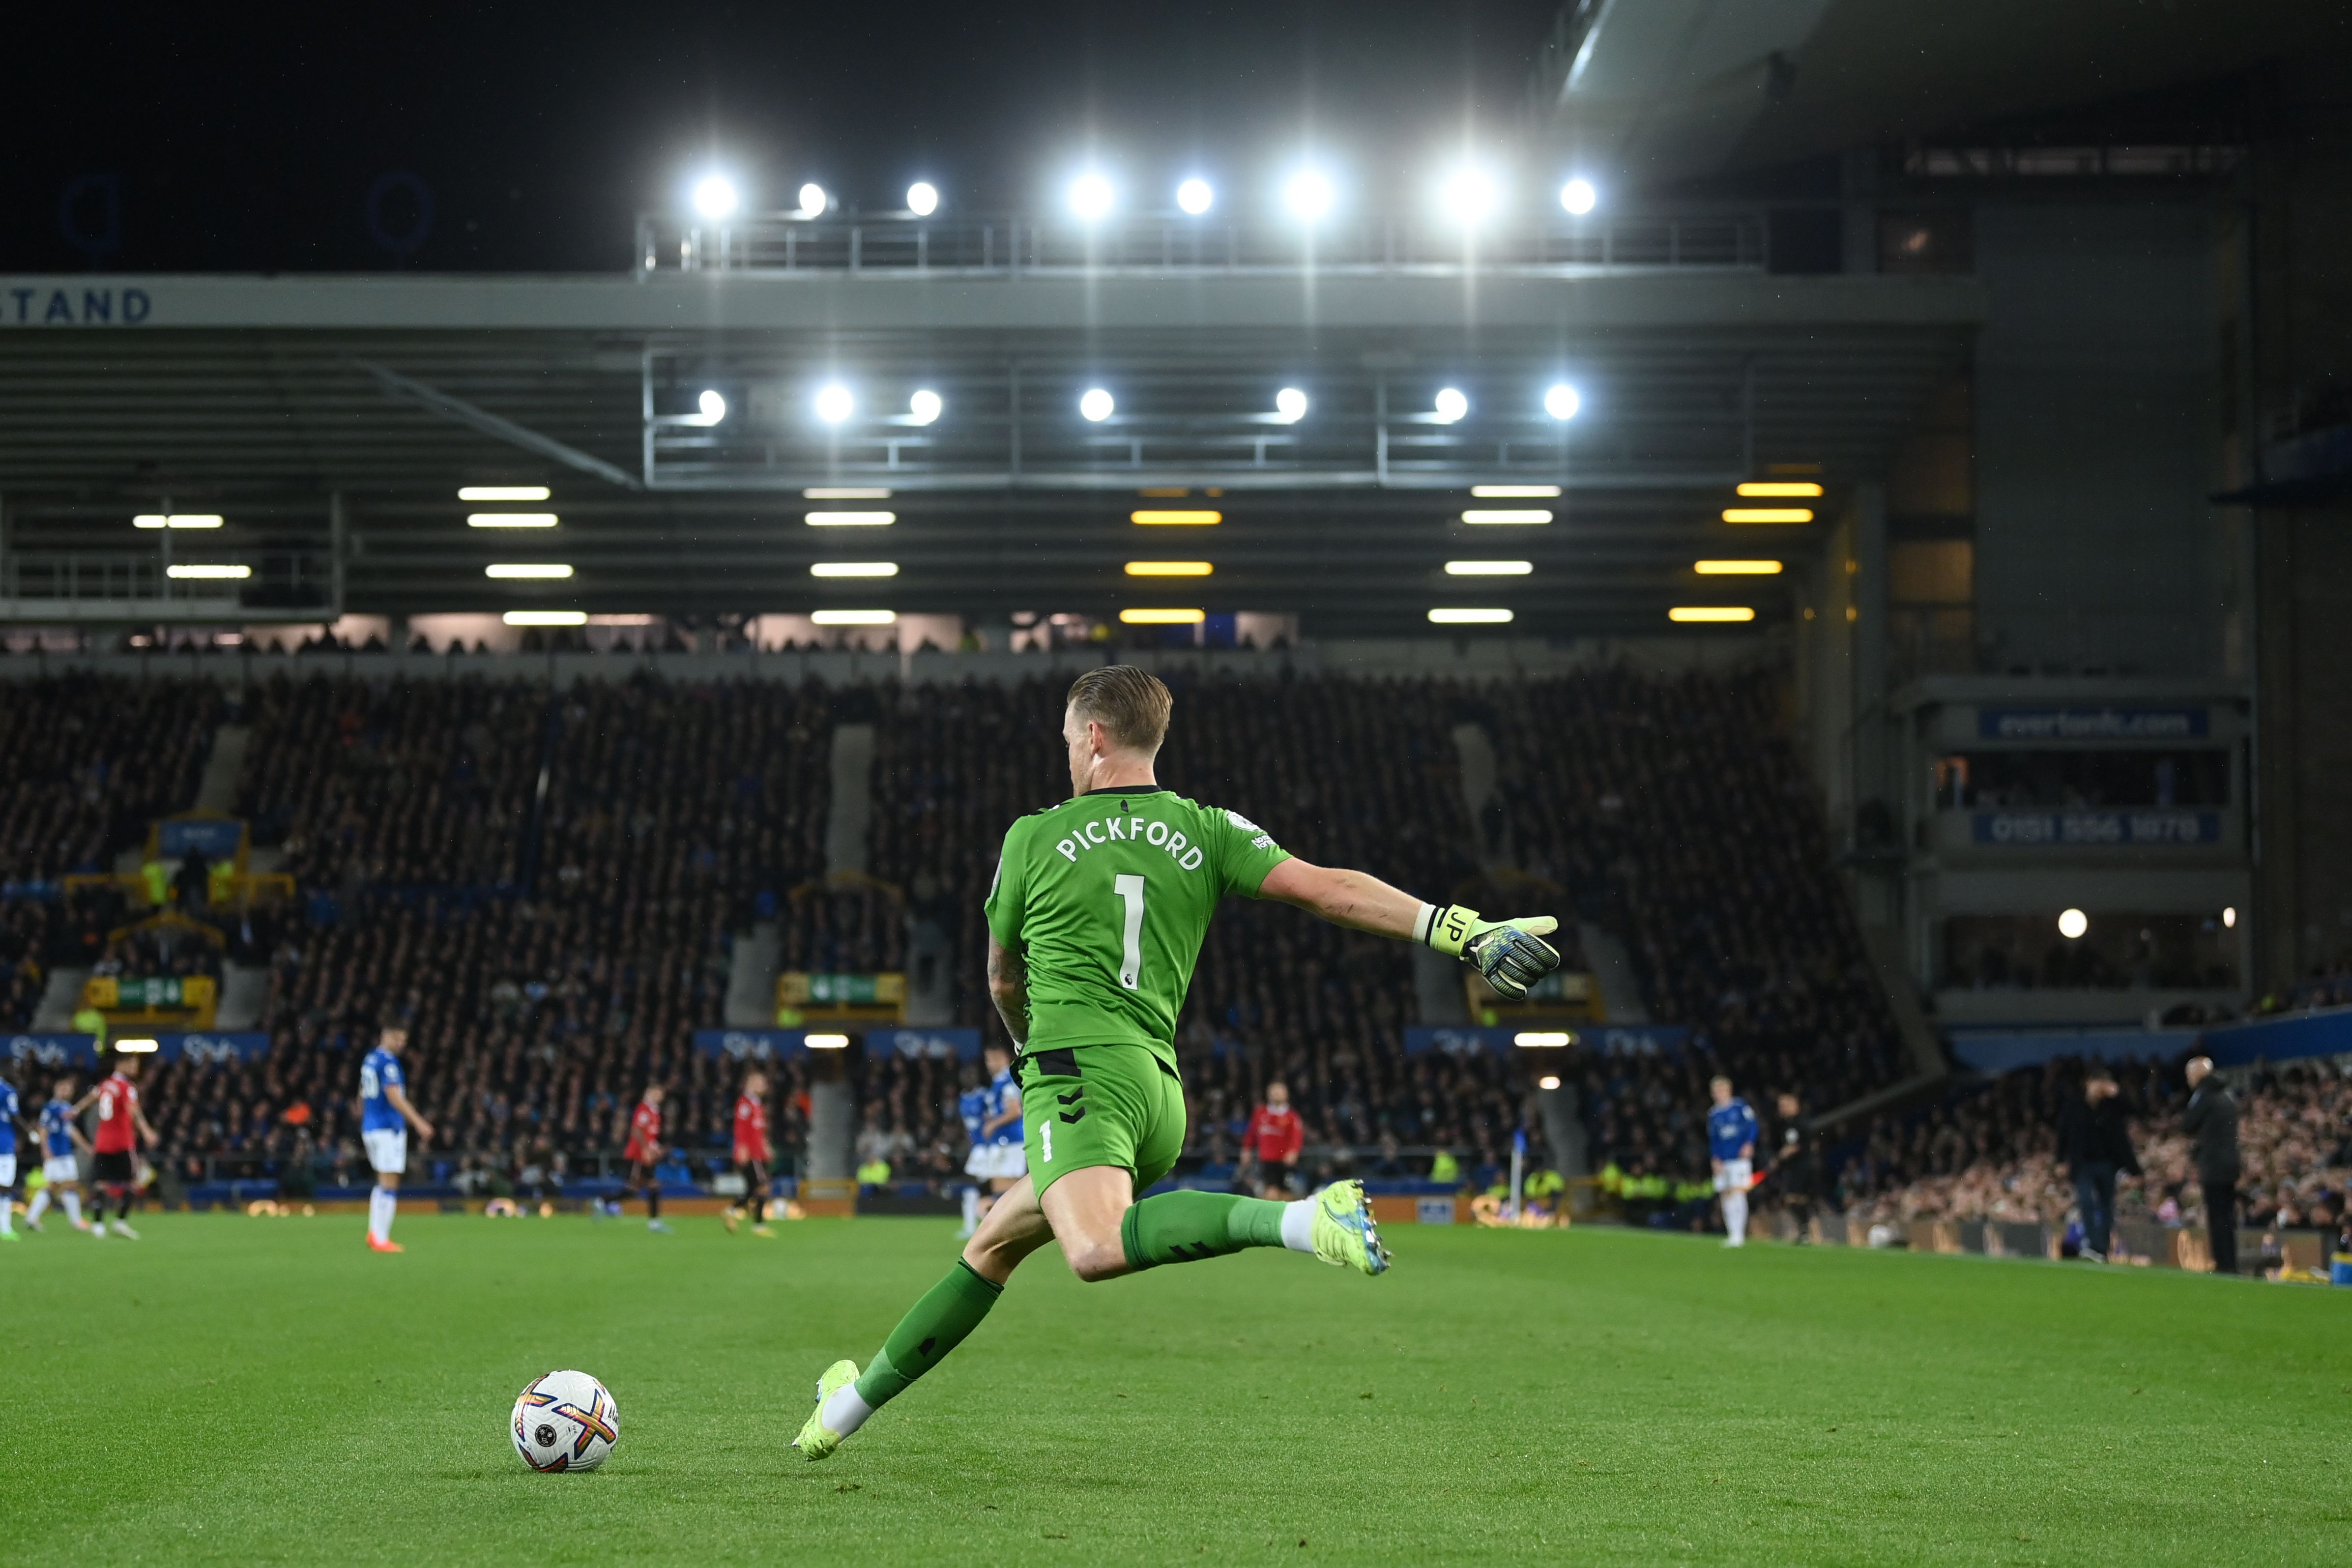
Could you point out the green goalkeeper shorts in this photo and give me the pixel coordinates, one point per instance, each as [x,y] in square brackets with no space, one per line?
[1100,1105]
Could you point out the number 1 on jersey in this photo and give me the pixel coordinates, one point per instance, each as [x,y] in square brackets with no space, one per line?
[1130,893]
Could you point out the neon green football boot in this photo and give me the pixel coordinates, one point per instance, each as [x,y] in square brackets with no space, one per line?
[817,1441]
[1344,1231]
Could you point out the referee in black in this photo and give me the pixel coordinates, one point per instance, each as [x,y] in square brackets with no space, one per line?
[2211,1123]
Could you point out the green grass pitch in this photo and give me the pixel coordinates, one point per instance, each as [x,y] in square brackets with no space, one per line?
[235,1390]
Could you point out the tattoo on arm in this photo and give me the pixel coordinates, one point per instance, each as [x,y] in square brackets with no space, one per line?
[1008,986]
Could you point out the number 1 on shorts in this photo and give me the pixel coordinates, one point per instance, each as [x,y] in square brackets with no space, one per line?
[1130,893]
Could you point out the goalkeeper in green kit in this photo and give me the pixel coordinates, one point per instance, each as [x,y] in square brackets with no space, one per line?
[1094,922]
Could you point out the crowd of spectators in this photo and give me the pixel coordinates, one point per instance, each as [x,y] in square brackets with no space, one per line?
[545,887]
[1993,1155]
[1684,822]
[92,760]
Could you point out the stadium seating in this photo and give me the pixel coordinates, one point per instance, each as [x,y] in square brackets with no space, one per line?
[552,950]
[92,760]
[1992,1154]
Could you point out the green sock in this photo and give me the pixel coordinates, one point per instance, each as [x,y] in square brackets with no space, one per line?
[932,1326]
[1185,1227]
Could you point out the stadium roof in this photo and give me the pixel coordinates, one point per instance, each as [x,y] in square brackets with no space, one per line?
[261,398]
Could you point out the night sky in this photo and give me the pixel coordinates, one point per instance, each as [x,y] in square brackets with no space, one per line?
[174,140]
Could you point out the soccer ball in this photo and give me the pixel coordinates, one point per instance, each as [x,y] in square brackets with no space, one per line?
[565,1421]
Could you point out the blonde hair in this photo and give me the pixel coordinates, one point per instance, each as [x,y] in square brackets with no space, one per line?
[1130,704]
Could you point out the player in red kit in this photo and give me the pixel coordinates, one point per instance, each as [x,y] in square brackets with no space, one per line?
[644,1152]
[1275,1136]
[121,1127]
[752,1153]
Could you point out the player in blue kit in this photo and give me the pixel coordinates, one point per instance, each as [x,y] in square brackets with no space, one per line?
[385,1117]
[10,1110]
[62,1146]
[1731,1147]
[992,1117]
[971,1105]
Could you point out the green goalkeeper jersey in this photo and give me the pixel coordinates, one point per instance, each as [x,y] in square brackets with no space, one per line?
[1108,898]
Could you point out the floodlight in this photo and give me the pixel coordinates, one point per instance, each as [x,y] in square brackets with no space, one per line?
[511,519]
[1701,614]
[849,519]
[1548,1081]
[1577,197]
[1542,1039]
[140,1046]
[549,618]
[853,618]
[1158,617]
[2072,925]
[1512,514]
[1505,491]
[200,572]
[1308,195]
[833,403]
[853,569]
[825,1042]
[716,197]
[1095,404]
[1562,401]
[924,407]
[814,201]
[155,519]
[1170,568]
[713,405]
[923,198]
[1091,198]
[1488,568]
[1780,488]
[503,492]
[1737,568]
[2229,918]
[1767,514]
[1469,197]
[1195,197]
[1470,617]
[525,569]
[1451,404]
[1164,519]
[1290,406]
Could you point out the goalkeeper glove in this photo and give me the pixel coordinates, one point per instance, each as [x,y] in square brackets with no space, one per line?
[1511,953]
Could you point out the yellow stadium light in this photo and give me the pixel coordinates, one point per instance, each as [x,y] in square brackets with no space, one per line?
[839,493]
[528,570]
[1163,617]
[1169,568]
[1470,617]
[1506,514]
[511,519]
[503,492]
[1780,488]
[176,519]
[853,569]
[1737,568]
[1710,613]
[825,1042]
[1176,518]
[1767,514]
[140,1046]
[1488,568]
[546,618]
[1507,492]
[1542,1039]
[850,519]
[855,618]
[189,569]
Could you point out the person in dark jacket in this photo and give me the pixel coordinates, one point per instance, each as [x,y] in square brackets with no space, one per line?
[2096,1143]
[2211,1123]
[1796,1175]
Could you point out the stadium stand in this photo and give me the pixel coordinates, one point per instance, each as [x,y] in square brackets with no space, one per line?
[1992,1154]
[552,951]
[92,759]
